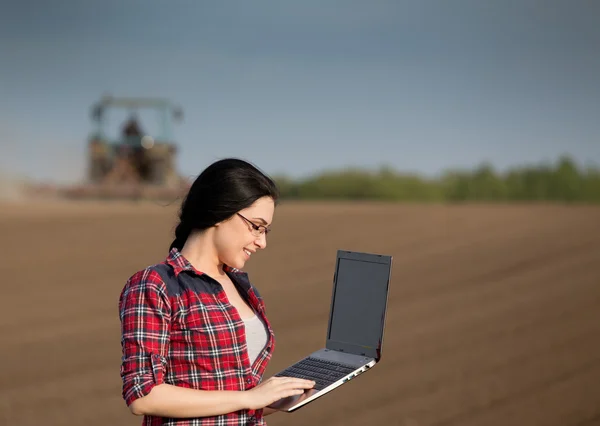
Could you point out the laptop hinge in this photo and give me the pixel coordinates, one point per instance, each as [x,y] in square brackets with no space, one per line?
[352,349]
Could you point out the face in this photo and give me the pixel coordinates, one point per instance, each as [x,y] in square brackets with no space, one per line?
[243,234]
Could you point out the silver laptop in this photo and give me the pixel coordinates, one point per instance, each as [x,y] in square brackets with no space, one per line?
[355,331]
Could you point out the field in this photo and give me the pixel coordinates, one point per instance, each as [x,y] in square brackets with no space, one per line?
[494,311]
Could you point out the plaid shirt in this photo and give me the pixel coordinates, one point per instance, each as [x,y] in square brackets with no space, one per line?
[182,331]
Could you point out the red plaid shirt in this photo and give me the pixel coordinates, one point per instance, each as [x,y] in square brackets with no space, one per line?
[185,333]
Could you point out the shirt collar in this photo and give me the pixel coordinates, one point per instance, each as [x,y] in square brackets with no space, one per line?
[179,264]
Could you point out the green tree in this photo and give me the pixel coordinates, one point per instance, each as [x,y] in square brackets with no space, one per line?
[562,181]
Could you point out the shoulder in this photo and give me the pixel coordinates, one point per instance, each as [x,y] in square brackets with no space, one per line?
[144,301]
[151,280]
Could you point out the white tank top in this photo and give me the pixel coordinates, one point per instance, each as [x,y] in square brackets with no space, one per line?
[256,336]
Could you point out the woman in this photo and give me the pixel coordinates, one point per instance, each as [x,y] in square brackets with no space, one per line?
[195,337]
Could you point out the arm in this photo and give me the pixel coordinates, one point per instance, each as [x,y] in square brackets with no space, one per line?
[172,401]
[165,400]
[145,314]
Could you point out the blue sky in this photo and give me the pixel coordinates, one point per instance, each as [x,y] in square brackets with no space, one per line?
[305,86]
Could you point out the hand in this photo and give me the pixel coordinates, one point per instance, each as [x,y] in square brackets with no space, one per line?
[274,389]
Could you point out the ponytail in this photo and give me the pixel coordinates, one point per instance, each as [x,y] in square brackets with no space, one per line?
[182,232]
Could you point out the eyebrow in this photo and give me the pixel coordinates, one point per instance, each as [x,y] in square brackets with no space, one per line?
[261,219]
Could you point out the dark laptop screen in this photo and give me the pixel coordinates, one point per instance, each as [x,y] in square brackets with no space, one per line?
[359,304]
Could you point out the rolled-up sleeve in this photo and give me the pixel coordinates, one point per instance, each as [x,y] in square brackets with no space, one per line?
[145,315]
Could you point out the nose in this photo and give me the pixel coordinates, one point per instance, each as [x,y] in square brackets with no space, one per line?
[261,241]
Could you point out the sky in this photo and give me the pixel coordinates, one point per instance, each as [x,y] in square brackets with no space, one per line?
[300,87]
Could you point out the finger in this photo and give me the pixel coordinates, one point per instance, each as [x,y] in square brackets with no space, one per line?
[299,381]
[293,392]
[304,385]
[286,393]
[300,384]
[281,378]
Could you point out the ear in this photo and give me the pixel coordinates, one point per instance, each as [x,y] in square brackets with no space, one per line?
[216,225]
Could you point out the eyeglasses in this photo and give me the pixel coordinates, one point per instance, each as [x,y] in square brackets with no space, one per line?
[257,230]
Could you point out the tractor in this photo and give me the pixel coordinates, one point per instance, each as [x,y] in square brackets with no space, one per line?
[136,164]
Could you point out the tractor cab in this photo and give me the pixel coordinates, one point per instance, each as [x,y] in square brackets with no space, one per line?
[135,157]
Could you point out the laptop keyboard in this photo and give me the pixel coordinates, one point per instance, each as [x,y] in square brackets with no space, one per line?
[322,372]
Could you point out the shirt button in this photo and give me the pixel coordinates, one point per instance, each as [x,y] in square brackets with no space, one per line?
[248,381]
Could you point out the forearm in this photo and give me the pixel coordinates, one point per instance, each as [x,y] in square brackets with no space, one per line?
[173,401]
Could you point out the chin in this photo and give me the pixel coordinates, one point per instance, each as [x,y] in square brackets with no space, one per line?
[236,263]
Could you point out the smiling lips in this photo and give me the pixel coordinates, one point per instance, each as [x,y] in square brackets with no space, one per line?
[248,252]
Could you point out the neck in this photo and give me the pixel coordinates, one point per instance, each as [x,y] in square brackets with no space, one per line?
[200,251]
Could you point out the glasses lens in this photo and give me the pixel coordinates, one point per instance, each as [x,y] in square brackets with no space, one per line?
[256,230]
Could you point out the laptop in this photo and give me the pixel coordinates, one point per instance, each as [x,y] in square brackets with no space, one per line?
[355,330]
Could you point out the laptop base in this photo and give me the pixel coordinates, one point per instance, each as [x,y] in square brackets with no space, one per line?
[343,367]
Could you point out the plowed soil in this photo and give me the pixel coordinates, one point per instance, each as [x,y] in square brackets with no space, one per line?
[494,311]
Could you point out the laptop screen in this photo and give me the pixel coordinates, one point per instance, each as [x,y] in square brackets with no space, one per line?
[359,303]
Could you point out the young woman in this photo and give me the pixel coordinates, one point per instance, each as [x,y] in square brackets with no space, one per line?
[194,333]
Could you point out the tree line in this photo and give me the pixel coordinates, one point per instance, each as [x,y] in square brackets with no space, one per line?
[562,181]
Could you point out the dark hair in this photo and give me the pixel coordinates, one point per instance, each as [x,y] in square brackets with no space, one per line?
[221,190]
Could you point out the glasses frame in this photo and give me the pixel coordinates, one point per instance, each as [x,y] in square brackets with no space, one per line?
[257,230]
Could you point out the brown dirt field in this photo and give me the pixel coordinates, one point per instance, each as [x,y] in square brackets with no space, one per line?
[494,311]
